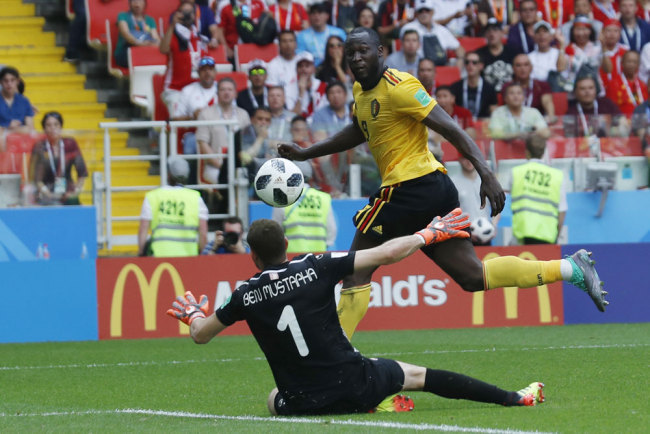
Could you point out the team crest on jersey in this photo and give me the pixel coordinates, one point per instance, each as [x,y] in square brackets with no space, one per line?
[422,97]
[374,108]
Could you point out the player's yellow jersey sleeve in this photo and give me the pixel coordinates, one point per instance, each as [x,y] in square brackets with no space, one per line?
[390,116]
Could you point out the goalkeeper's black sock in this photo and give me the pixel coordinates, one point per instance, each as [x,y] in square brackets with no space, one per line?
[458,386]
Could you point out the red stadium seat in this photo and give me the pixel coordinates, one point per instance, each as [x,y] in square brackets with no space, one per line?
[244,53]
[111,39]
[515,149]
[561,103]
[446,75]
[449,152]
[144,62]
[470,44]
[19,150]
[241,79]
[69,10]
[97,12]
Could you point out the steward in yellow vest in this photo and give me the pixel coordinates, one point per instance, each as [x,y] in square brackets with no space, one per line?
[538,198]
[177,216]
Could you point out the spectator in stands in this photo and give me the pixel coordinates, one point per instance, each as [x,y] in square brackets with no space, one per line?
[16,112]
[626,89]
[392,16]
[538,208]
[184,50]
[604,10]
[227,23]
[468,184]
[367,18]
[135,29]
[228,240]
[177,216]
[582,8]
[289,15]
[612,49]
[457,15]
[641,128]
[314,38]
[435,39]
[497,9]
[344,13]
[472,92]
[205,23]
[332,170]
[521,35]
[546,58]
[256,147]
[257,94]
[407,58]
[309,224]
[280,128]
[537,93]
[305,94]
[334,67]
[644,70]
[462,116]
[300,133]
[635,32]
[515,121]
[589,115]
[556,13]
[77,31]
[427,75]
[214,139]
[51,165]
[496,57]
[282,68]
[644,10]
[584,54]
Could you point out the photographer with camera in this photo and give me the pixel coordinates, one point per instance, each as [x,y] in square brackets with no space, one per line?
[228,240]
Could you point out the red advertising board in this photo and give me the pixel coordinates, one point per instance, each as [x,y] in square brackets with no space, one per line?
[134,294]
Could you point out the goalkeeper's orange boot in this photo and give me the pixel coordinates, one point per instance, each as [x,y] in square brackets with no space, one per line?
[531,395]
[394,403]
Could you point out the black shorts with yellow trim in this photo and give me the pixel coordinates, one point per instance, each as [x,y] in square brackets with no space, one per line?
[407,207]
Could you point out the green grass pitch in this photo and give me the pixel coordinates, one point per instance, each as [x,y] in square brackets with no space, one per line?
[597,379]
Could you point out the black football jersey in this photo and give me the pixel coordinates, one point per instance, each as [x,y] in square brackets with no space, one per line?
[291,310]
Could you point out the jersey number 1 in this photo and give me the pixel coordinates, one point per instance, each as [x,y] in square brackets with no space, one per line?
[288,319]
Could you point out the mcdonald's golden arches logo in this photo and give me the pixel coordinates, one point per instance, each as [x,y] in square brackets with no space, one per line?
[511,298]
[148,294]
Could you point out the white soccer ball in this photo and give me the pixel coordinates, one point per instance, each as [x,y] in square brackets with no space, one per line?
[483,229]
[279,182]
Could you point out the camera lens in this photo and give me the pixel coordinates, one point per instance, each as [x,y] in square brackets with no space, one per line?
[230,238]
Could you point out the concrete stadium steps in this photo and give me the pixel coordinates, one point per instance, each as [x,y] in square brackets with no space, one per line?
[54,95]
[45,81]
[16,9]
[29,67]
[69,110]
[11,55]
[26,38]
[21,22]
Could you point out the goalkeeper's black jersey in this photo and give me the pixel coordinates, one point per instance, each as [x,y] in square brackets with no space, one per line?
[291,311]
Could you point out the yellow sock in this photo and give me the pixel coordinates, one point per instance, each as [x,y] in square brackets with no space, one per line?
[352,307]
[514,271]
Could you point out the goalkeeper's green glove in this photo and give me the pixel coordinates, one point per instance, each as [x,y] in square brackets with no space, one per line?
[186,308]
[443,228]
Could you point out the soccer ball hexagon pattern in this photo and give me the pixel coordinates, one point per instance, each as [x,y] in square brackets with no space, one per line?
[279,182]
[482,229]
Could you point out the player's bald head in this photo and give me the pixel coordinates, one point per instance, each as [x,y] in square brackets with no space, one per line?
[366,34]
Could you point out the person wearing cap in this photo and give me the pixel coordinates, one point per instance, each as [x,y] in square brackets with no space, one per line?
[583,51]
[314,38]
[520,35]
[407,58]
[305,94]
[200,94]
[635,32]
[256,95]
[544,57]
[427,29]
[184,49]
[177,216]
[613,50]
[582,8]
[497,58]
[281,70]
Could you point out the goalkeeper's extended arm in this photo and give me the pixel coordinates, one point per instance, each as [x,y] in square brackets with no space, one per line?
[187,309]
[449,226]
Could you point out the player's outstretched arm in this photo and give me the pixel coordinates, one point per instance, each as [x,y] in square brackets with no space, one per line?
[440,229]
[349,137]
[193,313]
[440,121]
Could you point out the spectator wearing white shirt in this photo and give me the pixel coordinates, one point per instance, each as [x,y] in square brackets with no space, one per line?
[456,15]
[644,70]
[515,121]
[544,57]
[427,29]
[282,69]
[305,94]
[407,58]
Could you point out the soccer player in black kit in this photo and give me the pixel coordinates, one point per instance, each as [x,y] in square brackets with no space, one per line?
[291,311]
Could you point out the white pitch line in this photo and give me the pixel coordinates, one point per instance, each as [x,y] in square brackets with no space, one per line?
[284,420]
[228,360]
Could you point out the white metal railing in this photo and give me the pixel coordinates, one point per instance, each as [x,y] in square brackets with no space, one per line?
[105,187]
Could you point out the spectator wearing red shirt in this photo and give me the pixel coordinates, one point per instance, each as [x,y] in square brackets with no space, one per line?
[626,89]
[537,94]
[184,49]
[447,101]
[228,24]
[605,10]
[556,12]
[288,8]
[613,50]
